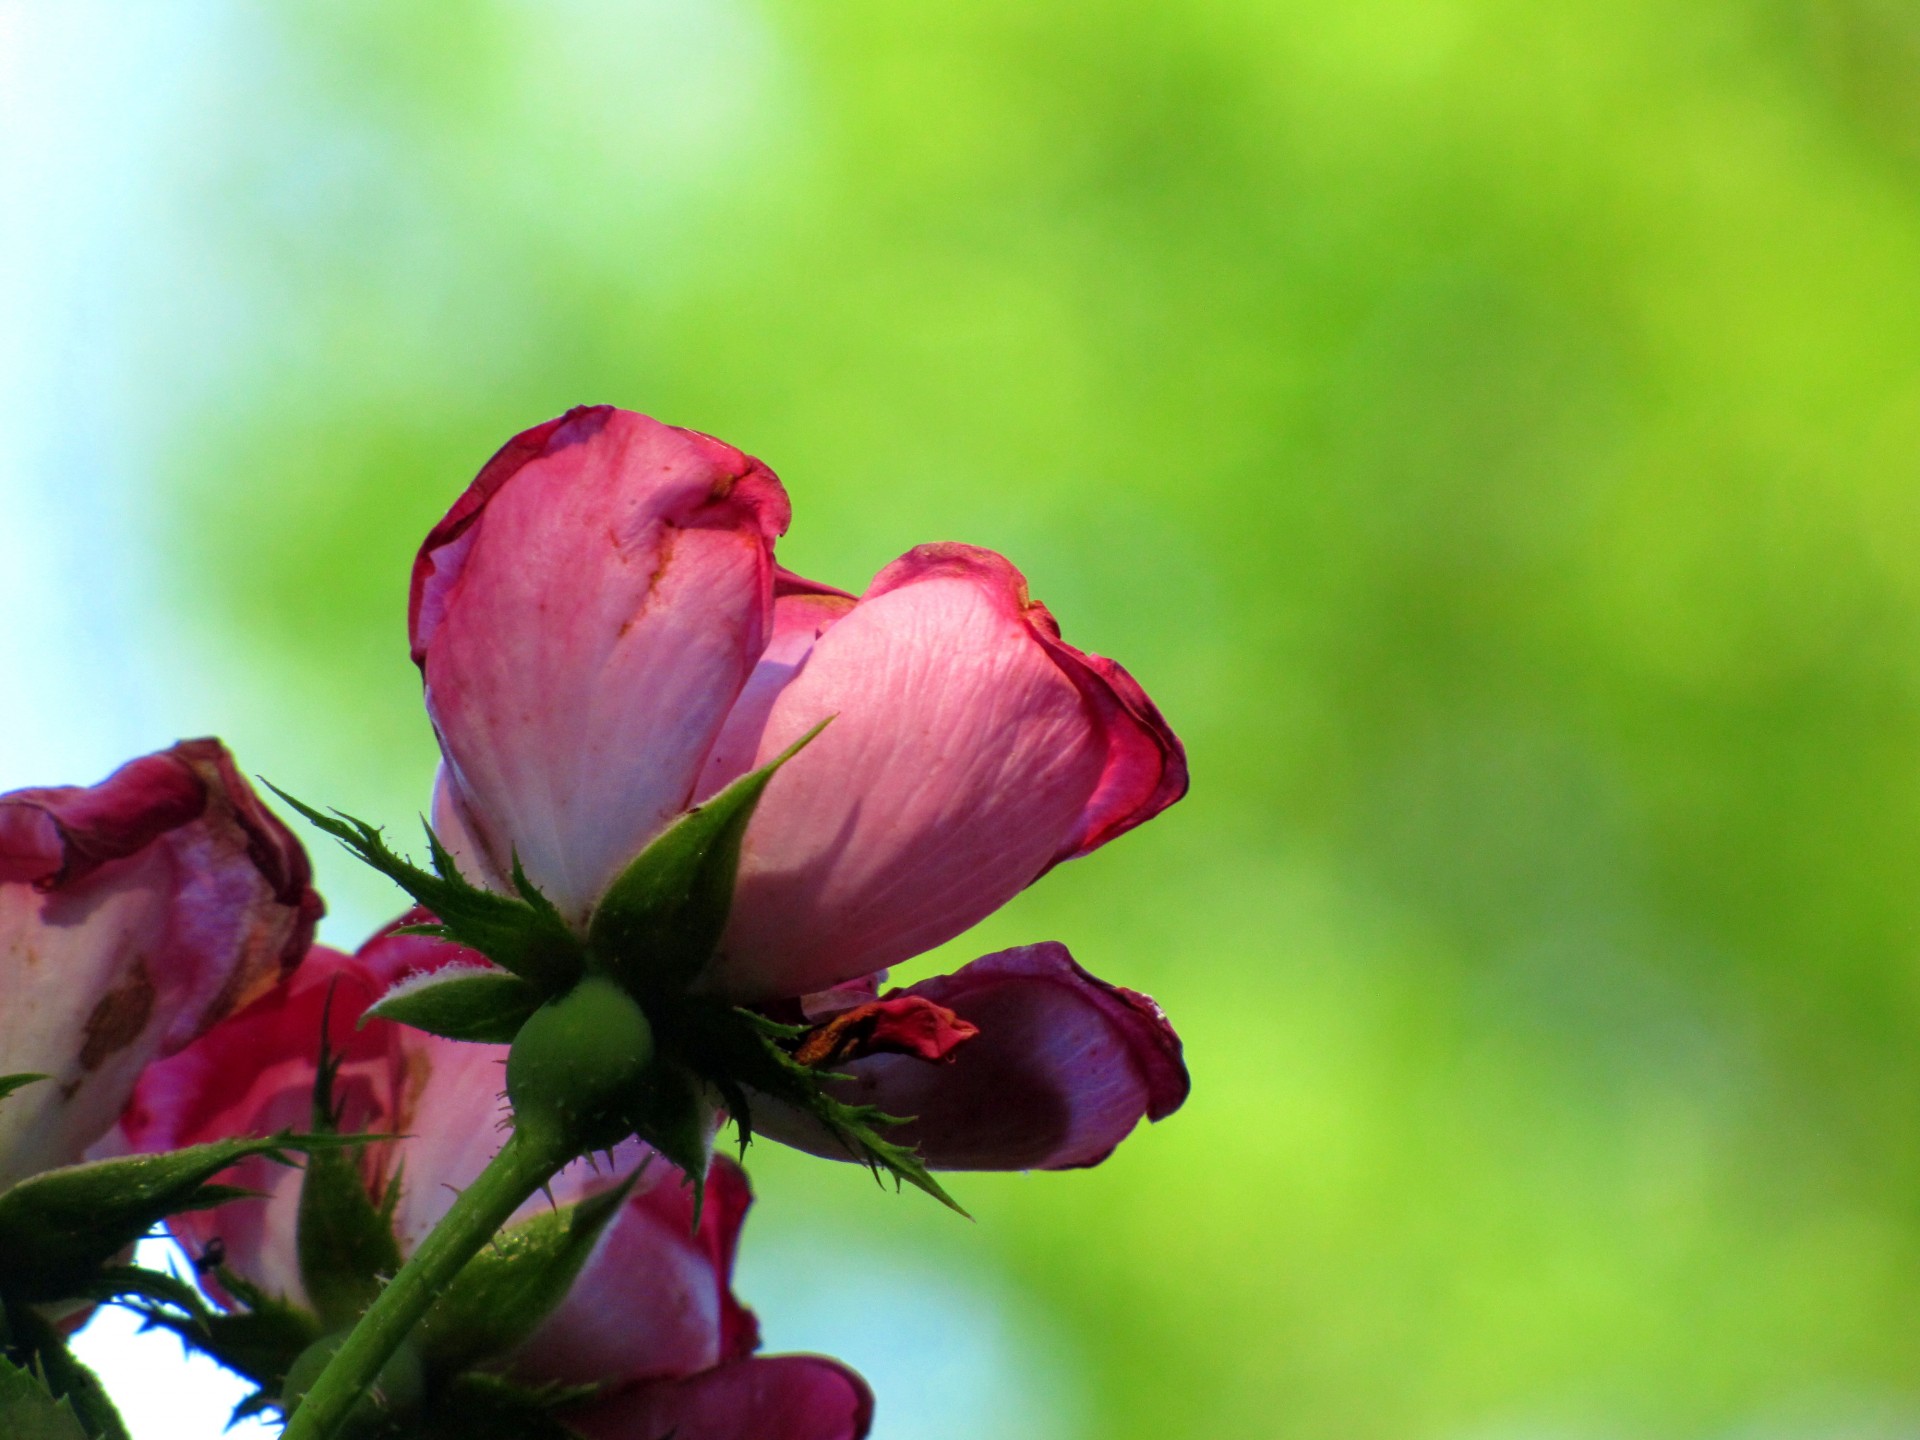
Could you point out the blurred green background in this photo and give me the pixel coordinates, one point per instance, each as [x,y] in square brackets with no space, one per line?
[1490,430]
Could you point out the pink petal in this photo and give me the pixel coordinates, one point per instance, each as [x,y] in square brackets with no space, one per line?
[803,611]
[58,834]
[253,1075]
[773,1397]
[133,915]
[1065,1065]
[970,749]
[654,1300]
[584,617]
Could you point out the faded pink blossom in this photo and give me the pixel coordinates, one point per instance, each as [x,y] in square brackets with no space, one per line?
[134,914]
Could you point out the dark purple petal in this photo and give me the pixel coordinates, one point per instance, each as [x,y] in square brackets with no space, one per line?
[1065,1065]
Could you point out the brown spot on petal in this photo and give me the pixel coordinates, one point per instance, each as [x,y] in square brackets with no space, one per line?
[119,1019]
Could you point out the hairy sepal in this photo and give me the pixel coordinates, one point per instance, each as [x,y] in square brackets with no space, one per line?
[460,1002]
[344,1241]
[260,1341]
[511,1286]
[60,1227]
[661,920]
[523,934]
[739,1052]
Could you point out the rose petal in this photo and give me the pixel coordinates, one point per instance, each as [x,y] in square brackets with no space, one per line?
[57,834]
[253,1075]
[970,749]
[1065,1065]
[803,611]
[654,1300]
[773,1397]
[133,915]
[584,617]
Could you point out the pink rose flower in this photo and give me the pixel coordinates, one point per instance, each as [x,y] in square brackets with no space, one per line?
[134,915]
[605,639]
[652,1316]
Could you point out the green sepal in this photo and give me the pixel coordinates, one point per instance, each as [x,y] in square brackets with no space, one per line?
[64,1376]
[751,1051]
[119,1282]
[857,1128]
[489,1006]
[344,1241]
[514,1283]
[661,920]
[478,1406]
[525,935]
[58,1228]
[670,1111]
[260,1341]
[30,1411]
[11,1083]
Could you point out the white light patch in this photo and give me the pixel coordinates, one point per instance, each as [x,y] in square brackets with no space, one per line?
[163,1391]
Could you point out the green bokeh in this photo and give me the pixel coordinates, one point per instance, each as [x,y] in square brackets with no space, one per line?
[1491,430]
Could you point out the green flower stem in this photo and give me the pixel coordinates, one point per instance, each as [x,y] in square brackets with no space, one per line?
[529,1159]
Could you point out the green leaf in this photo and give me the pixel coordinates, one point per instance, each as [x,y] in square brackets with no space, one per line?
[659,923]
[345,1242]
[461,1003]
[58,1228]
[526,936]
[11,1083]
[29,1411]
[513,1284]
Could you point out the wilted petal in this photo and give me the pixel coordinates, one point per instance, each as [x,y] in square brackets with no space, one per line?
[584,617]
[133,915]
[1063,1068]
[899,1025]
[773,1397]
[970,749]
[653,1301]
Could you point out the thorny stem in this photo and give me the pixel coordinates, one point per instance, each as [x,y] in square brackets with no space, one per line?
[530,1158]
